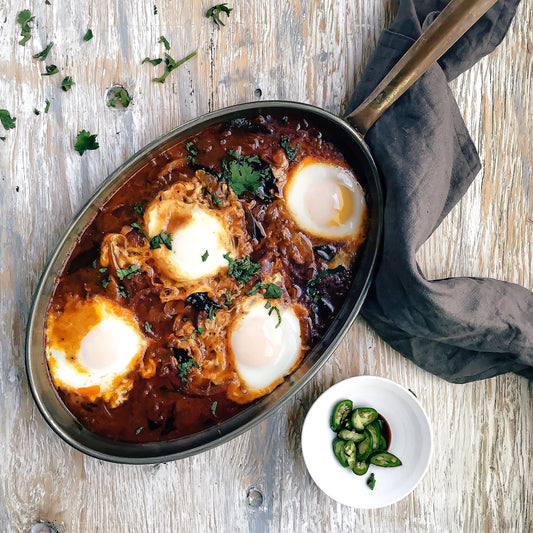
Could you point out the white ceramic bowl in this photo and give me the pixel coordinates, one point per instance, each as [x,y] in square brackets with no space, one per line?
[411,441]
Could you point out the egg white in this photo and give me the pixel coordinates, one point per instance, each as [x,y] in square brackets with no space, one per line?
[325,200]
[95,361]
[263,352]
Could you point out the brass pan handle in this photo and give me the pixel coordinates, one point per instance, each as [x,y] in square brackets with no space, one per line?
[451,24]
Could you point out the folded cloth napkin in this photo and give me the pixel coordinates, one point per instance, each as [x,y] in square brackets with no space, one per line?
[461,329]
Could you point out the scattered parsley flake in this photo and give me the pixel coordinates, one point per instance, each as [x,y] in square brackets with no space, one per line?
[89,35]
[119,95]
[7,120]
[47,106]
[241,269]
[163,40]
[138,430]
[171,64]
[24,18]
[128,273]
[214,407]
[205,256]
[215,12]
[67,83]
[50,70]
[147,327]
[162,238]
[41,56]
[84,141]
[285,144]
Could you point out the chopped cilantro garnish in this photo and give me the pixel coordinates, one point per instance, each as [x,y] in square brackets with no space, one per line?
[128,273]
[214,407]
[138,430]
[313,284]
[2,138]
[24,18]
[36,111]
[138,208]
[123,292]
[85,141]
[171,64]
[272,308]
[205,256]
[7,120]
[101,270]
[241,269]
[185,367]
[162,238]
[119,95]
[47,106]
[201,302]
[227,298]
[93,264]
[163,40]
[271,290]
[147,327]
[89,35]
[249,173]
[154,62]
[193,152]
[47,2]
[215,12]
[215,199]
[285,144]
[155,9]
[67,83]
[198,331]
[105,282]
[42,55]
[141,229]
[50,70]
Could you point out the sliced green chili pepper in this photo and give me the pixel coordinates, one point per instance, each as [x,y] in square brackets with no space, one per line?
[348,434]
[386,459]
[364,448]
[375,436]
[360,468]
[349,448]
[362,417]
[340,414]
[338,450]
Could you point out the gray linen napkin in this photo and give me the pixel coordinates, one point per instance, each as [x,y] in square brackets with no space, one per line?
[461,329]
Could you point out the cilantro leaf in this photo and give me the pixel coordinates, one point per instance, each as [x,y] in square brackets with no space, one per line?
[47,106]
[185,367]
[123,292]
[24,18]
[88,36]
[85,141]
[138,430]
[214,407]
[241,269]
[128,273]
[50,70]
[227,298]
[119,95]
[285,144]
[215,199]
[193,152]
[163,40]
[7,120]
[67,83]
[36,111]
[205,256]
[41,56]
[171,64]
[162,238]
[147,327]
[249,173]
[154,62]
[138,208]
[215,12]
[142,230]
[271,290]
[272,308]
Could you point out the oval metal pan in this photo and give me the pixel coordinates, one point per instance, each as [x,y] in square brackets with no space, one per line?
[342,135]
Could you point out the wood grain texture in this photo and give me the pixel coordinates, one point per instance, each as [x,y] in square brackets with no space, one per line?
[480,476]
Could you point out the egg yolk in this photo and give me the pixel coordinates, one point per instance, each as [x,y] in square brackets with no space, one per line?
[329,203]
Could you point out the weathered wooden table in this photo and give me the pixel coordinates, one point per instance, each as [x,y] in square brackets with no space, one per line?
[480,478]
